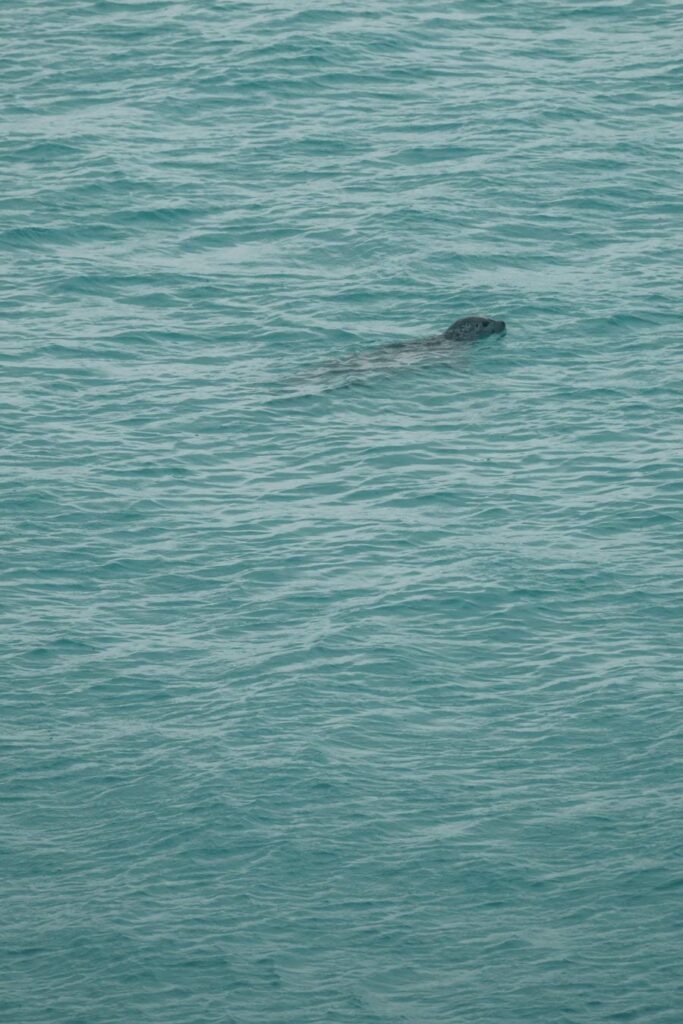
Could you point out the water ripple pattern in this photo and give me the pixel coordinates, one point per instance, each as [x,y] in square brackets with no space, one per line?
[341,678]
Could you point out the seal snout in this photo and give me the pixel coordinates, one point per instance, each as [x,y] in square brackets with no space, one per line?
[494,326]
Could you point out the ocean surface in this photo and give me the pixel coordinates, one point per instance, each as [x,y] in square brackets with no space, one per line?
[341,680]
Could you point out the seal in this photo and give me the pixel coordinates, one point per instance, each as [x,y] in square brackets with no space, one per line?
[402,353]
[470,328]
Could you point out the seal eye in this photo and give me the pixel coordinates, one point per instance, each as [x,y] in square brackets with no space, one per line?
[485,323]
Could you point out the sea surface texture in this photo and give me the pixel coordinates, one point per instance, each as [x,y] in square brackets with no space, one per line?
[342,677]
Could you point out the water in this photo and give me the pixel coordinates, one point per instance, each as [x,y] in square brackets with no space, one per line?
[339,687]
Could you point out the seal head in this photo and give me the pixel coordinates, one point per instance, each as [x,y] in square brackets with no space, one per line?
[470,328]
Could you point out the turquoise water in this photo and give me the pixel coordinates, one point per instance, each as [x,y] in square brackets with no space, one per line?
[343,681]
